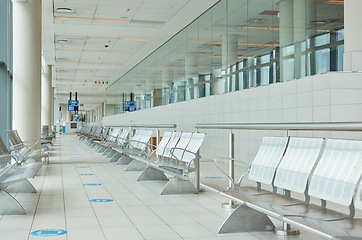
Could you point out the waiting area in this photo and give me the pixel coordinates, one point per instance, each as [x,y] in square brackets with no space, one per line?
[116,183]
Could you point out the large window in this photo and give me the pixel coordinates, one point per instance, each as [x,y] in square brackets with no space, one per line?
[241,44]
[5,67]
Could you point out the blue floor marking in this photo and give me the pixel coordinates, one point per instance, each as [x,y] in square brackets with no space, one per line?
[86,174]
[82,167]
[92,184]
[49,232]
[101,200]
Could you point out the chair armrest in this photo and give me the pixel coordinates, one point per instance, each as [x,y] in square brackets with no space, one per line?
[234,184]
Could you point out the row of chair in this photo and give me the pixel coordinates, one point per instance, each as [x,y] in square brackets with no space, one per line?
[17,164]
[329,170]
[174,155]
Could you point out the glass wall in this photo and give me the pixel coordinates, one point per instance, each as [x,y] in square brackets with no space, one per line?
[236,45]
[5,67]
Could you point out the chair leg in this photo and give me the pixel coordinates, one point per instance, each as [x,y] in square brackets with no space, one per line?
[245,219]
[9,205]
[23,186]
[124,160]
[135,166]
[177,185]
[151,174]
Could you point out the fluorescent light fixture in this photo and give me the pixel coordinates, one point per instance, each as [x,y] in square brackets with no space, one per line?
[336,2]
[109,20]
[63,41]
[64,10]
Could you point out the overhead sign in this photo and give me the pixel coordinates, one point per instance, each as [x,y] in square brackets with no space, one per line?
[49,232]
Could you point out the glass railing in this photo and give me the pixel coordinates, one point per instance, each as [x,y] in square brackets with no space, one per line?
[236,45]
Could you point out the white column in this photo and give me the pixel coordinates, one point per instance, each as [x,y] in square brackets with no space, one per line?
[46,95]
[192,76]
[27,68]
[286,36]
[352,35]
[229,55]
[217,83]
[52,122]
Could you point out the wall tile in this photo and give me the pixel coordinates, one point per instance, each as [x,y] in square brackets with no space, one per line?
[305,84]
[305,99]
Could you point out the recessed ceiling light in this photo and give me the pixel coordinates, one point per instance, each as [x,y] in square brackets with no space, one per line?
[63,41]
[64,10]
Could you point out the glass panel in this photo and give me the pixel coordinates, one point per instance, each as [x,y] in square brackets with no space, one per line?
[239,44]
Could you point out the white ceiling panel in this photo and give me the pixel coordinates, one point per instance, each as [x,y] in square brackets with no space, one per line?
[94,24]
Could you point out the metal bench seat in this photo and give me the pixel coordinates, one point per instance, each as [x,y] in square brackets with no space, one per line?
[138,144]
[22,148]
[330,176]
[109,140]
[140,162]
[13,179]
[184,153]
[120,142]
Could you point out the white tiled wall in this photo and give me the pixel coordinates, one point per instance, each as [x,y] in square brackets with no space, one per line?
[331,97]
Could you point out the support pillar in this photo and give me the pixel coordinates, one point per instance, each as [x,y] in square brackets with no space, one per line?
[352,35]
[229,56]
[286,36]
[192,76]
[46,95]
[27,68]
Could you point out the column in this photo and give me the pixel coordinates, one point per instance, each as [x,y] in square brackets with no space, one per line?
[352,35]
[191,76]
[167,76]
[286,36]
[27,68]
[217,83]
[46,95]
[229,56]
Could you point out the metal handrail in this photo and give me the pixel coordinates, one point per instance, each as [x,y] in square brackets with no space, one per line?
[321,126]
[305,126]
[146,126]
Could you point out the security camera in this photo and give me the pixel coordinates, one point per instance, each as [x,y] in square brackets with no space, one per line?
[106,45]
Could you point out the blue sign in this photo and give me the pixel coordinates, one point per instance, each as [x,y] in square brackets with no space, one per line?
[86,174]
[213,177]
[101,200]
[82,167]
[92,184]
[49,232]
[73,102]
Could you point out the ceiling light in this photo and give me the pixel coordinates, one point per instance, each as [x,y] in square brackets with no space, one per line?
[64,10]
[63,41]
[92,20]
[110,20]
[336,2]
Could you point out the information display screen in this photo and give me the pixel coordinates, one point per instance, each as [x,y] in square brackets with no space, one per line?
[73,105]
[128,106]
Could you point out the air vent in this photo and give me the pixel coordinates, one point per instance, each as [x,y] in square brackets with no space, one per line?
[64,10]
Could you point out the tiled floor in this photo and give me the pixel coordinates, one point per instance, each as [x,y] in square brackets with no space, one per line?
[136,212]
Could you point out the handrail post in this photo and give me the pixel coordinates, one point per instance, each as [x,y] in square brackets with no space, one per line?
[231,163]
[197,172]
[157,136]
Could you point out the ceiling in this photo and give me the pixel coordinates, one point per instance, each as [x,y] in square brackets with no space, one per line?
[91,43]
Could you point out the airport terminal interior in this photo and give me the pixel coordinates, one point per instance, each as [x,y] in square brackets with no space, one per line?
[180,119]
